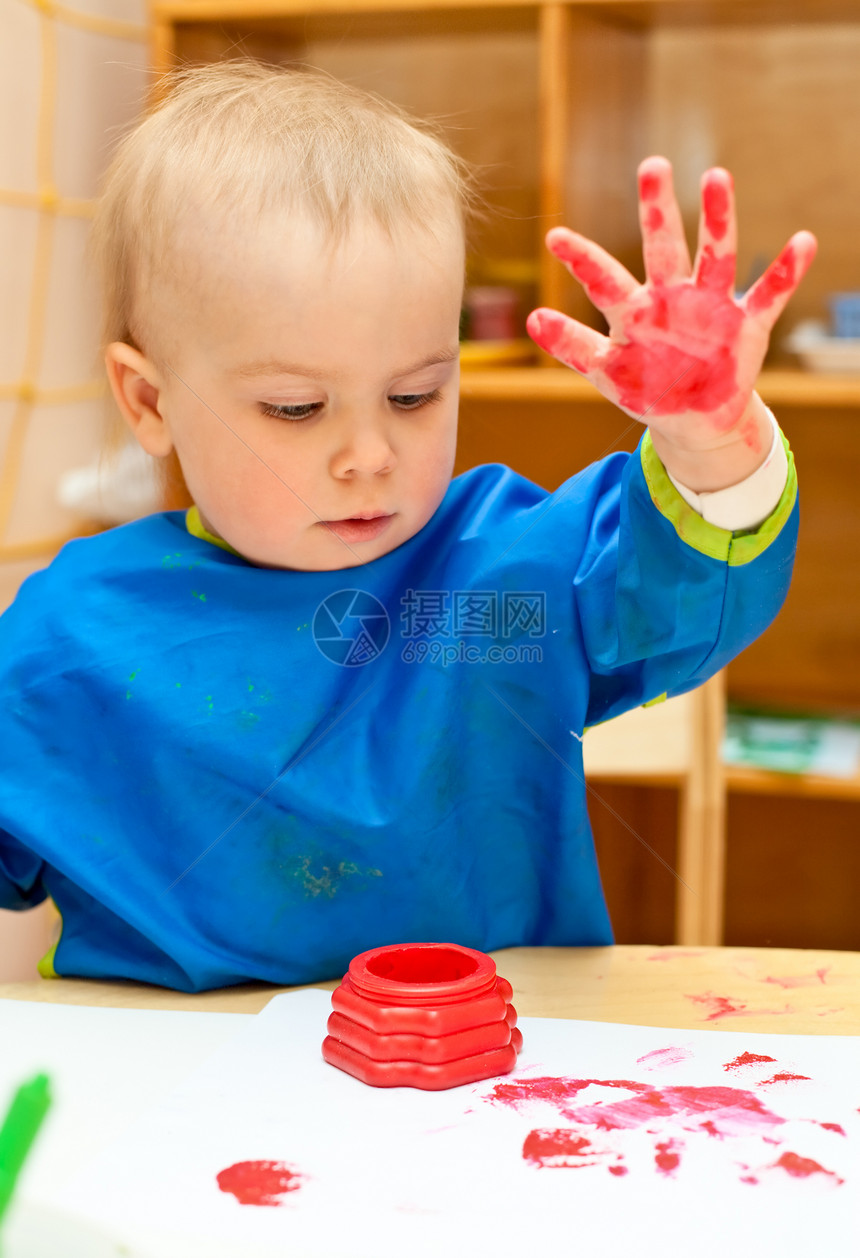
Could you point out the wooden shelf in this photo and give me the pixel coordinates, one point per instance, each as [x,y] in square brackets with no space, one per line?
[807,785]
[663,13]
[538,384]
[634,13]
[242,10]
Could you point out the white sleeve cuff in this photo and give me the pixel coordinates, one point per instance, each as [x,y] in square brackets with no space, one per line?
[748,503]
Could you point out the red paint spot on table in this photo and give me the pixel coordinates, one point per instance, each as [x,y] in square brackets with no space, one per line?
[799,980]
[729,1006]
[259,1183]
[840,1131]
[783,1077]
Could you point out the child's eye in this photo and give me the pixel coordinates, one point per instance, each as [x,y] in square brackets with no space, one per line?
[412,401]
[303,410]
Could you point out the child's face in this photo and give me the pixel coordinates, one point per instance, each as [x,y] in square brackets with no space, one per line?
[316,414]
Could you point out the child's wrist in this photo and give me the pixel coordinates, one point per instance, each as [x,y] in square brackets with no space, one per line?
[747,504]
[724,464]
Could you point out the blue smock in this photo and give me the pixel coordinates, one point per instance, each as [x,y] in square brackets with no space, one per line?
[222,772]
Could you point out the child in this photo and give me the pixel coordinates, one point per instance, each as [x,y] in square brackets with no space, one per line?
[339,703]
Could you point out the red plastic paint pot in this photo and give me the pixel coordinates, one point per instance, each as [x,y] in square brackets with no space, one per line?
[422,1015]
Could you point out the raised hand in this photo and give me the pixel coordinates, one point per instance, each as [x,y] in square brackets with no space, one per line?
[682,355]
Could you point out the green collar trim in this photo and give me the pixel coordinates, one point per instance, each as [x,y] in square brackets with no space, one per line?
[45,967]
[195,527]
[735,549]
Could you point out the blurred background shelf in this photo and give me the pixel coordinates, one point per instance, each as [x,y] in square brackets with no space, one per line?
[778,387]
[801,785]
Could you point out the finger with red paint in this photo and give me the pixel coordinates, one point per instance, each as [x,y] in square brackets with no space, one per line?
[716,258]
[664,243]
[572,343]
[607,284]
[769,295]
[605,281]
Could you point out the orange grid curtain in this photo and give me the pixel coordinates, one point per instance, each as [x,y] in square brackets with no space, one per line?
[71,79]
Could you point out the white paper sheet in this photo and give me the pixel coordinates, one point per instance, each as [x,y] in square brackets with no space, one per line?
[654,1161]
[106,1067]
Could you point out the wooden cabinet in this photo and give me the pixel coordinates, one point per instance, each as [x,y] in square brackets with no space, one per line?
[556,103]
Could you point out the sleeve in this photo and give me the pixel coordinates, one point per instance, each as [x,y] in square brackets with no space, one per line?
[664,598]
[20,875]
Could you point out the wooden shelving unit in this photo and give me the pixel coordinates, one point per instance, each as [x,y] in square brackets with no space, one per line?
[557,102]
[779,388]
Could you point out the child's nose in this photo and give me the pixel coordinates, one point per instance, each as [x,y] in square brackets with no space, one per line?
[365,449]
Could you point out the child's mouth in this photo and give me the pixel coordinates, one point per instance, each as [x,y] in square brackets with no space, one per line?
[357,529]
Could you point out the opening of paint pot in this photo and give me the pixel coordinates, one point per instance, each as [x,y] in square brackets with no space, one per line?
[422,965]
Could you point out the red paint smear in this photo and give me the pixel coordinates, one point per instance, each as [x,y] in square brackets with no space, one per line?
[651,374]
[746,1059]
[664,380]
[660,1057]
[555,1090]
[667,1159]
[779,278]
[654,219]
[802,1168]
[783,1077]
[716,271]
[721,1006]
[555,1147]
[800,980]
[715,205]
[749,431]
[726,1006]
[561,1147]
[548,329]
[259,1183]
[729,1111]
[649,186]
[601,287]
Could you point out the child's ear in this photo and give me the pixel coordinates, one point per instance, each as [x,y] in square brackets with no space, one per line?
[137,388]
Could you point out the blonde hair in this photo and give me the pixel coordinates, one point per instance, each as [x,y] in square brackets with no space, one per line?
[233,140]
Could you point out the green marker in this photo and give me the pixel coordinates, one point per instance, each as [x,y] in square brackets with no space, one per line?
[28,1108]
